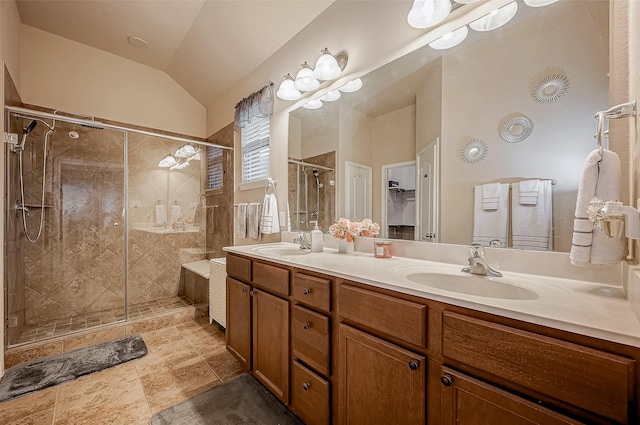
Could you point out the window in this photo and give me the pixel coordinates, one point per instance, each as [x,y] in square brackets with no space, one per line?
[215,168]
[255,150]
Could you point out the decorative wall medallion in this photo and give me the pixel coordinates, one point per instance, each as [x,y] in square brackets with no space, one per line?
[550,88]
[474,151]
[516,129]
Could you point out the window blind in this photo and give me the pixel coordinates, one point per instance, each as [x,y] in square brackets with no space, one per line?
[215,169]
[255,150]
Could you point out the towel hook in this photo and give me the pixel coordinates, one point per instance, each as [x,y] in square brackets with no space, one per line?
[270,188]
[624,110]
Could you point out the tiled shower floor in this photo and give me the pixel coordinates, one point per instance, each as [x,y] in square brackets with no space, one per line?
[58,327]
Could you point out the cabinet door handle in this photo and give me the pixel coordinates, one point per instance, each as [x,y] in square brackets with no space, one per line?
[306,386]
[446,380]
[414,364]
[306,325]
[306,291]
[252,293]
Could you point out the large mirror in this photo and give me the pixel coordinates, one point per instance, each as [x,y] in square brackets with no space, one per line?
[504,106]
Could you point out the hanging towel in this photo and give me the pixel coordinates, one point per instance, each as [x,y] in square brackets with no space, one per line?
[176,212]
[600,177]
[490,196]
[269,222]
[490,225]
[532,224]
[241,220]
[529,192]
[253,220]
[161,215]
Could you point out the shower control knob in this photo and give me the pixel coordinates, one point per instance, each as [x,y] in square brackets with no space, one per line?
[116,224]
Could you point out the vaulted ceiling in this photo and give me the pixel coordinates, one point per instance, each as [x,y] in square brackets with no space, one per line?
[206,46]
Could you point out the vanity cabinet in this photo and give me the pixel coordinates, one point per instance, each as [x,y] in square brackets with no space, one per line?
[257,331]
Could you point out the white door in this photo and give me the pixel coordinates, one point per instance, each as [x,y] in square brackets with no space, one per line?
[428,196]
[358,202]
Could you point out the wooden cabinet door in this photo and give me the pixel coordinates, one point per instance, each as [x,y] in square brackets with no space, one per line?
[271,343]
[380,383]
[471,402]
[238,331]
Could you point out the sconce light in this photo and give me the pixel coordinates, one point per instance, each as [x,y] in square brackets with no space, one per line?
[167,161]
[288,90]
[351,86]
[496,18]
[539,3]
[427,13]
[305,79]
[185,151]
[450,39]
[331,96]
[313,104]
[327,67]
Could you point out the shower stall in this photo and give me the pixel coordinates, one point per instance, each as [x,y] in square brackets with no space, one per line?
[313,196]
[86,242]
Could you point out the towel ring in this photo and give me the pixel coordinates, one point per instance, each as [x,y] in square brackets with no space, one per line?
[270,188]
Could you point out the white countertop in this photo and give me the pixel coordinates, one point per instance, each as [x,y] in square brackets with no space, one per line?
[591,309]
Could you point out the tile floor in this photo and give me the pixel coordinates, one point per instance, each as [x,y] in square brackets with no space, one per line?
[54,328]
[184,359]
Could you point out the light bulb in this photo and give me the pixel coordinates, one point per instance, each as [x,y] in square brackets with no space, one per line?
[167,162]
[331,96]
[427,13]
[305,79]
[327,67]
[351,86]
[313,104]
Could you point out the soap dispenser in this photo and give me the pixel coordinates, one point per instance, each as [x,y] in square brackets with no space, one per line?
[316,238]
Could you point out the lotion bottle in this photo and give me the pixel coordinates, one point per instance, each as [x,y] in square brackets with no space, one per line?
[316,238]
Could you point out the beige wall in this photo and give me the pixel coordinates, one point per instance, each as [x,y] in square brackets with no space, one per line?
[9,57]
[62,74]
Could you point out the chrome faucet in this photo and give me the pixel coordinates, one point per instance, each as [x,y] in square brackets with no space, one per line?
[478,264]
[302,240]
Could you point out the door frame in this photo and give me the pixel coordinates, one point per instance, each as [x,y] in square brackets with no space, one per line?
[435,143]
[384,192]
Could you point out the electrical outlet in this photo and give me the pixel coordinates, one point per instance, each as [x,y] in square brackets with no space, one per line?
[11,138]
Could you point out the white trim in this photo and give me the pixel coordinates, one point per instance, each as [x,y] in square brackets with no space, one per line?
[256,184]
[385,193]
[436,213]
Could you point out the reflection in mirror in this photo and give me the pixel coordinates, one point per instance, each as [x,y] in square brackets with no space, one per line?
[547,68]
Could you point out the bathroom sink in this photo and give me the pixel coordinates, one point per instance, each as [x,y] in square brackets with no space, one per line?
[479,286]
[283,249]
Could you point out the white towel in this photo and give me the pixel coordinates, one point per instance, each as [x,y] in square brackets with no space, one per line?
[532,224]
[490,225]
[241,220]
[176,212]
[529,192]
[601,178]
[288,218]
[269,222]
[161,215]
[490,196]
[253,220]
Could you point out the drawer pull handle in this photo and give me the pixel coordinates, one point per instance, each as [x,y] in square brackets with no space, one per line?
[306,325]
[306,386]
[414,364]
[446,380]
[306,291]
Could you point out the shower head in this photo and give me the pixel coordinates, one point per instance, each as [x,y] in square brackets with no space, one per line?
[30,127]
[315,172]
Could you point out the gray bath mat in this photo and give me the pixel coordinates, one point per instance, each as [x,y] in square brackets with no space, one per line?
[243,400]
[53,370]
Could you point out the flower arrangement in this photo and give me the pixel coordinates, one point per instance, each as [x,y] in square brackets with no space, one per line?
[349,230]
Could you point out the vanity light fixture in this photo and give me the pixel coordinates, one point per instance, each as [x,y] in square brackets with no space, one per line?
[539,3]
[331,96]
[313,104]
[427,13]
[167,161]
[327,66]
[305,79]
[185,151]
[496,18]
[351,86]
[450,39]
[288,90]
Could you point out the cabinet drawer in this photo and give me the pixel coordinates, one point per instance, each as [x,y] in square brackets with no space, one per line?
[271,277]
[404,320]
[309,396]
[239,267]
[310,338]
[590,379]
[312,291]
